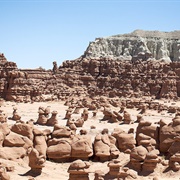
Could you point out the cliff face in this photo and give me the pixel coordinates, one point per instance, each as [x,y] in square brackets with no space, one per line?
[91,77]
[137,45]
[97,73]
[124,79]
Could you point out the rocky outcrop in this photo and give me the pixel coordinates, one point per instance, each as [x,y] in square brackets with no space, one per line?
[152,69]
[65,145]
[105,146]
[147,134]
[125,142]
[123,79]
[79,170]
[137,45]
[168,134]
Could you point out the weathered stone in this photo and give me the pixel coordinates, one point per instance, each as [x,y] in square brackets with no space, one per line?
[36,161]
[3,174]
[24,129]
[79,170]
[53,119]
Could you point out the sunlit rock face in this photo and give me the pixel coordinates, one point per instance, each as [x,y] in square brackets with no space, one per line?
[137,45]
[143,63]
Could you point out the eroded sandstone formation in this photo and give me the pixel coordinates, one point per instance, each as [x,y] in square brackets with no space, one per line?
[103,73]
[99,82]
[143,145]
[137,45]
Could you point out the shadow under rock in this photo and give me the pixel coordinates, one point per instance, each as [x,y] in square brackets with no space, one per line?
[167,169]
[31,173]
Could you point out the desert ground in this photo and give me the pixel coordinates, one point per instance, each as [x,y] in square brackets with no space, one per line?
[58,171]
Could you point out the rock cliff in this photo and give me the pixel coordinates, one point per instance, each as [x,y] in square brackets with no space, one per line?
[137,45]
[103,70]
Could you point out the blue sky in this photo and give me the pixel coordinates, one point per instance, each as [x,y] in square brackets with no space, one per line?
[35,33]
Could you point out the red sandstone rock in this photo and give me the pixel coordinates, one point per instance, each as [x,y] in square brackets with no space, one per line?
[150,162]
[105,146]
[174,162]
[168,132]
[3,117]
[127,118]
[13,140]
[39,142]
[125,141]
[16,115]
[137,157]
[12,153]
[53,119]
[36,161]
[3,174]
[114,167]
[61,131]
[59,150]
[145,130]
[24,129]
[81,146]
[79,170]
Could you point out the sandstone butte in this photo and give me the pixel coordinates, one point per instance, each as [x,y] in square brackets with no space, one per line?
[112,113]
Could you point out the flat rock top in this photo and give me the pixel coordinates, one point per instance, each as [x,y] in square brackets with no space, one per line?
[150,34]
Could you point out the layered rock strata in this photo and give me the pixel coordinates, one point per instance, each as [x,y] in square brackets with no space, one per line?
[153,69]
[137,45]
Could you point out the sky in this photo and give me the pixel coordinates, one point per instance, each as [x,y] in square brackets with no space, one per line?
[34,33]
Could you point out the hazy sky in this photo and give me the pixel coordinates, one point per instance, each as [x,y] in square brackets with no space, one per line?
[35,33]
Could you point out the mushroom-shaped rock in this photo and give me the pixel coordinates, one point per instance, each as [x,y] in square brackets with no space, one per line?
[126,173]
[99,175]
[36,161]
[127,118]
[174,162]
[85,114]
[68,113]
[102,147]
[79,170]
[40,142]
[42,119]
[94,113]
[79,122]
[145,130]
[114,167]
[47,111]
[77,110]
[53,119]
[150,162]
[16,115]
[143,108]
[137,156]
[82,147]
[122,109]
[139,118]
[71,124]
[111,116]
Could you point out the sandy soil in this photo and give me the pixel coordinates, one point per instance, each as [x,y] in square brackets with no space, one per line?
[58,171]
